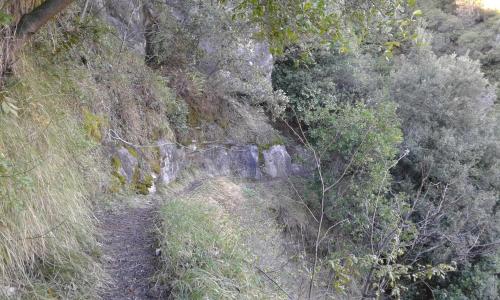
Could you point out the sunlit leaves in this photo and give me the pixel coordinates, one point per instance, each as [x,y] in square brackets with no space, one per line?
[316,23]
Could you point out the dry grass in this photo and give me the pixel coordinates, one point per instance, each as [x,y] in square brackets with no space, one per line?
[48,175]
[51,167]
[271,226]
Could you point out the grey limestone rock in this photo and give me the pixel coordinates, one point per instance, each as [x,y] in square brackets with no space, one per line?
[245,161]
[172,161]
[129,18]
[277,162]
[128,163]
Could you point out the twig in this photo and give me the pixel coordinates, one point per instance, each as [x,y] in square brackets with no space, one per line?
[45,233]
[330,228]
[302,201]
[273,281]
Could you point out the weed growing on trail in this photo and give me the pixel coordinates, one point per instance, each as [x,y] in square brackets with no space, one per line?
[203,254]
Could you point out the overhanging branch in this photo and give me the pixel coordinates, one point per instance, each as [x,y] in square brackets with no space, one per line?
[33,21]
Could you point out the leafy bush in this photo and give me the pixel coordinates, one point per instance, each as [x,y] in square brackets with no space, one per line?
[473,281]
[448,117]
[328,78]
[358,145]
[474,34]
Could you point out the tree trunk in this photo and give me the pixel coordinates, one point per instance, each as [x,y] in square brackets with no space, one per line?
[33,21]
[12,39]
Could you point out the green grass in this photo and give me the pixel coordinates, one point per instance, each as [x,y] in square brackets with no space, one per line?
[50,170]
[52,164]
[47,245]
[204,256]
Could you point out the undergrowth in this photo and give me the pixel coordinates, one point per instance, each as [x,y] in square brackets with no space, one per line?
[203,254]
[69,86]
[47,244]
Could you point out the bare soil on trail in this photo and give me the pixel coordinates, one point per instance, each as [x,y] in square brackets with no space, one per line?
[129,246]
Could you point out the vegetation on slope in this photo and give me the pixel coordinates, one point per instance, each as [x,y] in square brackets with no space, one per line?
[405,195]
[204,253]
[50,168]
[68,87]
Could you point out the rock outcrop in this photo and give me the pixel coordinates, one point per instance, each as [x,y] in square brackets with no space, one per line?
[277,162]
[172,160]
[243,161]
[125,164]
[129,19]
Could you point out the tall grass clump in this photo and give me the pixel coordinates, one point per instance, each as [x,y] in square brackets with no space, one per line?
[203,254]
[47,245]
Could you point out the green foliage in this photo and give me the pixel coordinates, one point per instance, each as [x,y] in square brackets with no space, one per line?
[5,19]
[132,151]
[449,121]
[454,87]
[118,180]
[355,139]
[386,270]
[338,101]
[141,184]
[204,255]
[365,139]
[175,107]
[327,78]
[473,34]
[473,282]
[312,22]
[93,125]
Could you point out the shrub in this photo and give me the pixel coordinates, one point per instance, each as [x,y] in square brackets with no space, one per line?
[326,79]
[358,145]
[448,117]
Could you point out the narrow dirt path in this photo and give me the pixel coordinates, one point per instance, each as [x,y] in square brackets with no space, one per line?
[129,251]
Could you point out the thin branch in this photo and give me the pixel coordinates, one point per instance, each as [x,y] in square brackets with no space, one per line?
[302,201]
[330,228]
[273,281]
[45,233]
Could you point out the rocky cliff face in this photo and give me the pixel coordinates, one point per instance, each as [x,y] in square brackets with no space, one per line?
[241,161]
[227,126]
[129,17]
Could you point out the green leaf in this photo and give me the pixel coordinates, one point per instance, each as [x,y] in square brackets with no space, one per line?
[5,19]
[412,3]
[417,13]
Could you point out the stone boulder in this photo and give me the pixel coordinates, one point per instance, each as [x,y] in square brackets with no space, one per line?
[172,160]
[277,162]
[215,161]
[244,161]
[126,164]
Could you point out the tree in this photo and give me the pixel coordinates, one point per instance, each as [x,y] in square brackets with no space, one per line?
[451,176]
[13,36]
[310,23]
[31,22]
